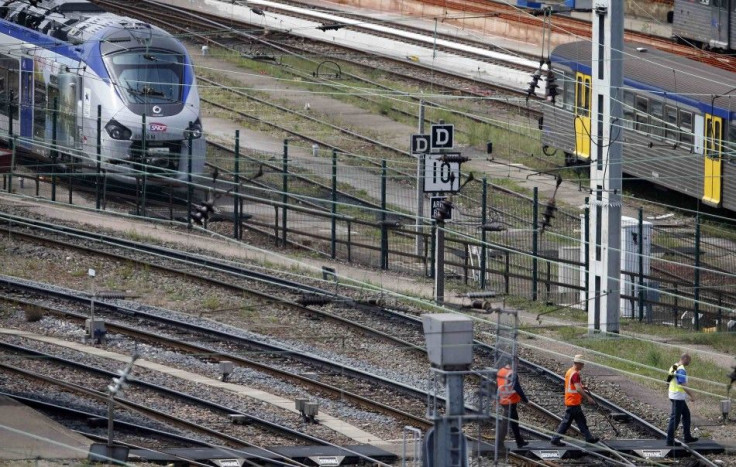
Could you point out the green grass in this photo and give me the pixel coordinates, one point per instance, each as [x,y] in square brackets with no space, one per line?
[649,358]
[637,356]
[720,341]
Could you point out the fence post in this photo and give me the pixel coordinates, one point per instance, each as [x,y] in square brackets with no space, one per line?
[535,244]
[483,221]
[586,237]
[675,310]
[507,269]
[434,248]
[333,226]
[236,188]
[466,263]
[350,239]
[12,161]
[99,156]
[548,285]
[189,180]
[696,279]
[54,150]
[384,230]
[285,188]
[145,165]
[641,265]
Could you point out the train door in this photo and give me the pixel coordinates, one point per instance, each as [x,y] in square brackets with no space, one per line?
[719,20]
[69,88]
[713,161]
[582,115]
[26,99]
[9,79]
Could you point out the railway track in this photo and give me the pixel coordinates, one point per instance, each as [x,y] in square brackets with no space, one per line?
[163,402]
[412,323]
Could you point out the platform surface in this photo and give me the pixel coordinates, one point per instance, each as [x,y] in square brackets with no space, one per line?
[28,434]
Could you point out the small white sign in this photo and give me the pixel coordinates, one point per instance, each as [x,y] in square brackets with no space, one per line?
[91,273]
[419,144]
[442,137]
[441,176]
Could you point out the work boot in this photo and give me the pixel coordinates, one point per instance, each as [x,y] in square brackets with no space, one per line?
[593,440]
[691,440]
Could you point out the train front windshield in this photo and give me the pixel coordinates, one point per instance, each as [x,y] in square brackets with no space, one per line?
[147,77]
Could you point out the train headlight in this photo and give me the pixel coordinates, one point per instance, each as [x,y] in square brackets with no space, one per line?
[195,128]
[117,131]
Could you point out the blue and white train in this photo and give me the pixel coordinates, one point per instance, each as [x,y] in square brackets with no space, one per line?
[67,66]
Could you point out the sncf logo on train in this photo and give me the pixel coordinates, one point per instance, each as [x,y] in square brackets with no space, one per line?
[157,127]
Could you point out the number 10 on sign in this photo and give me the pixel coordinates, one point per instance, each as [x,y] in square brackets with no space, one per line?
[440,175]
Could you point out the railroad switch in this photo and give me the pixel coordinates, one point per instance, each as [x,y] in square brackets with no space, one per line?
[308,409]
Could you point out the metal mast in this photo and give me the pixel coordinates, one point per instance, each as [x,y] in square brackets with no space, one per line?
[605,168]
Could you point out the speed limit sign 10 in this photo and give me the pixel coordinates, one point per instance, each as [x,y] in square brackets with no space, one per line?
[441,175]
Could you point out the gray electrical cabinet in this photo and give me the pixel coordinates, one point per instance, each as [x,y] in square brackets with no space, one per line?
[449,340]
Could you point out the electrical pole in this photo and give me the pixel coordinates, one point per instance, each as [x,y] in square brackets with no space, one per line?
[605,167]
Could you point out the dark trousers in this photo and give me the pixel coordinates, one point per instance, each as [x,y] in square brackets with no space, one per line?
[574,413]
[679,410]
[510,417]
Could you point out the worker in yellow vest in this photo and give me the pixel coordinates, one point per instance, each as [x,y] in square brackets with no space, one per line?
[678,397]
[574,394]
[510,394]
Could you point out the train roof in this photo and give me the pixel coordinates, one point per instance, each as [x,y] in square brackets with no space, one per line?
[658,71]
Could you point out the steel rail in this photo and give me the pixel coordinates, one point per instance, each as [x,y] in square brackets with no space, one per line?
[272,426]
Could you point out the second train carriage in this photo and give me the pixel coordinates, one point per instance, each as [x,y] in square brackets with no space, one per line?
[556,5]
[707,23]
[679,120]
[73,55]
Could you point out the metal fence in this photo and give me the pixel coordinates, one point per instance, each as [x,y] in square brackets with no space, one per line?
[365,212]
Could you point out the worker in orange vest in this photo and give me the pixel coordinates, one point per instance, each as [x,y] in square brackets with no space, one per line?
[509,395]
[574,393]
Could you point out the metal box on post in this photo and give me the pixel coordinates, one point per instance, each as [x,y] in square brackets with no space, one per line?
[449,340]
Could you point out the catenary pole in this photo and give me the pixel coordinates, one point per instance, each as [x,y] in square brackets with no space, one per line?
[605,166]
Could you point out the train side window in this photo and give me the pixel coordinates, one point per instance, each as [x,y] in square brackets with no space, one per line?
[729,150]
[686,123]
[9,72]
[670,120]
[582,88]
[628,109]
[39,109]
[642,113]
[569,94]
[715,134]
[53,95]
[655,109]
[579,94]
